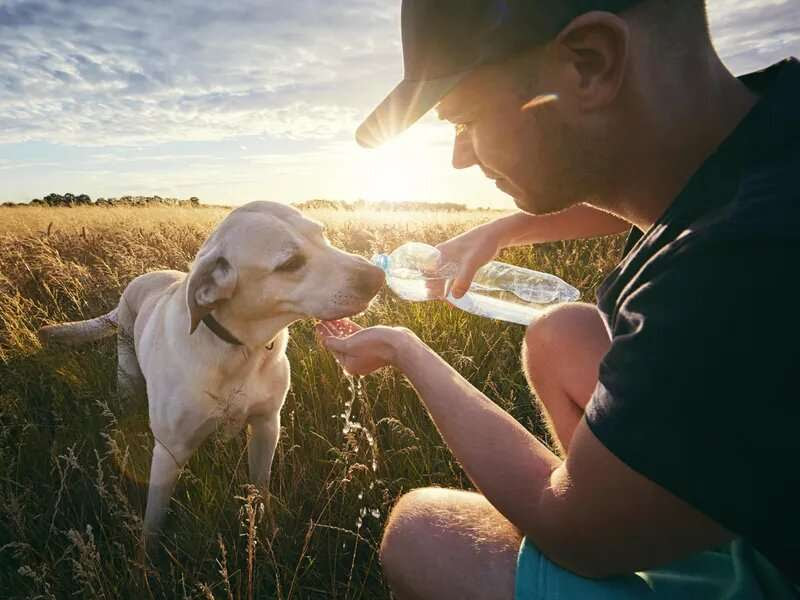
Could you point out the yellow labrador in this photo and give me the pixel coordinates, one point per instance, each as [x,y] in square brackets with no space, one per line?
[209,346]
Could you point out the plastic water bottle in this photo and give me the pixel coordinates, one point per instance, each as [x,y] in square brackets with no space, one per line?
[414,271]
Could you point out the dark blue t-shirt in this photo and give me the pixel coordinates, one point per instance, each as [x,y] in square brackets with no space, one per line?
[698,391]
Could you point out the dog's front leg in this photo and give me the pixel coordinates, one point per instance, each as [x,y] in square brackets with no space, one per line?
[264,432]
[164,470]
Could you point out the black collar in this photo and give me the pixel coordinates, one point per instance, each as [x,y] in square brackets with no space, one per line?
[223,334]
[220,331]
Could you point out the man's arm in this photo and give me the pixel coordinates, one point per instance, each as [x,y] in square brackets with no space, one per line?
[577,222]
[476,247]
[591,514]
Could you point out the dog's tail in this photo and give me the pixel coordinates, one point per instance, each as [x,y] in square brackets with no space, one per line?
[80,332]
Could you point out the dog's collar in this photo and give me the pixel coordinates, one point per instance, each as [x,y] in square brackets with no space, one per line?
[218,330]
[223,334]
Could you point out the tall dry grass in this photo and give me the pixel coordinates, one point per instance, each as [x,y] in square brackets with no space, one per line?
[74,457]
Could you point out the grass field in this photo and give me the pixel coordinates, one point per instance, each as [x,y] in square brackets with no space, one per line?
[74,458]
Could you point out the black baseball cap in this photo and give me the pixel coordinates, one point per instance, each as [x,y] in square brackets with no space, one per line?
[444,40]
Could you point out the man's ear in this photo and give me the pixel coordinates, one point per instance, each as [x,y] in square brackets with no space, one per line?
[212,280]
[595,46]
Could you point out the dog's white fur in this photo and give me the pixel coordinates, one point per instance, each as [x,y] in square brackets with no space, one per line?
[263,267]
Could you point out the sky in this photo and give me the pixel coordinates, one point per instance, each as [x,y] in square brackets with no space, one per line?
[247,100]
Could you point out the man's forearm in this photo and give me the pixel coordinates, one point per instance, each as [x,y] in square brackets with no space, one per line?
[578,222]
[504,461]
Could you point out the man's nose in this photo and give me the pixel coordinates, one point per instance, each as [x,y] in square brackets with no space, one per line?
[463,152]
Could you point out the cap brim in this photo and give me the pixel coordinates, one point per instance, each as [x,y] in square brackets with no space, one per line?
[405,105]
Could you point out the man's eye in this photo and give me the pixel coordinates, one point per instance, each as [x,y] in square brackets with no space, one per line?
[293,264]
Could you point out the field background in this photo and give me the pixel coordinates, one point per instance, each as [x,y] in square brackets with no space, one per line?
[74,458]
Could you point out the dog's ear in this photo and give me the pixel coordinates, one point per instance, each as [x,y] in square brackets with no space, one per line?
[211,281]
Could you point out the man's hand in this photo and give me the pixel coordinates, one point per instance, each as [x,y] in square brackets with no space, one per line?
[470,251]
[362,351]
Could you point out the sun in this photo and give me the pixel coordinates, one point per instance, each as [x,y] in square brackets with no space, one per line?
[399,171]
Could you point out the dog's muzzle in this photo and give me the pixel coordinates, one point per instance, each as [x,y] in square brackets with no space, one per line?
[369,280]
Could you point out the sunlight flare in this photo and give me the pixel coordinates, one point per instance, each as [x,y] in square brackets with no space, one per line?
[402,169]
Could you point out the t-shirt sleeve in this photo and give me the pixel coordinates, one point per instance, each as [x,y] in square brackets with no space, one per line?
[697,391]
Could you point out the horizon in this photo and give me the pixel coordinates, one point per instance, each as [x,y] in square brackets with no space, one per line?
[256,101]
[156,200]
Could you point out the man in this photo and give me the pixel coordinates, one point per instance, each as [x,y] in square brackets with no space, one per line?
[673,399]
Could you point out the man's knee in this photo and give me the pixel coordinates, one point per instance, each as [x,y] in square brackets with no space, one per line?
[555,334]
[407,527]
[439,541]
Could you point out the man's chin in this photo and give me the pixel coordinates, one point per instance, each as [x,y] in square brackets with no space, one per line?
[536,206]
[525,205]
[538,211]
[520,198]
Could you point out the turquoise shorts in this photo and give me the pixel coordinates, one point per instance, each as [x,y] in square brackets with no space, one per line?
[734,572]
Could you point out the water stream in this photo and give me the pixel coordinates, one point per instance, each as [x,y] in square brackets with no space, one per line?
[356,388]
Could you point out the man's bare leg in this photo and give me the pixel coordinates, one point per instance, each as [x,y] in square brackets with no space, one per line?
[442,544]
[561,355]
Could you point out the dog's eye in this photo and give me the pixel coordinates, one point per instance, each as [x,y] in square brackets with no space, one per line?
[295,263]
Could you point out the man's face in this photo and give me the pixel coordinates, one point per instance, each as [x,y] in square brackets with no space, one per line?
[534,154]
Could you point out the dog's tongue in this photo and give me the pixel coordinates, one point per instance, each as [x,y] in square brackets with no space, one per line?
[337,327]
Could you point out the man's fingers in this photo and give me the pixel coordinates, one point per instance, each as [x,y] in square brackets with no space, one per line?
[335,344]
[322,331]
[436,288]
[462,281]
[349,328]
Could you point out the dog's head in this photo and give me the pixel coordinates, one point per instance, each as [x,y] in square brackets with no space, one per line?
[267,260]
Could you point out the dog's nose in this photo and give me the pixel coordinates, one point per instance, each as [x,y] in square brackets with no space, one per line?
[369,280]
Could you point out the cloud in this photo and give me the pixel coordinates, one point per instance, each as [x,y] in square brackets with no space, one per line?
[91,73]
[752,34]
[97,72]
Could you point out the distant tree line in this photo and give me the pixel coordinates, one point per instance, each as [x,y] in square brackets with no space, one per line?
[317,203]
[69,200]
[84,200]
